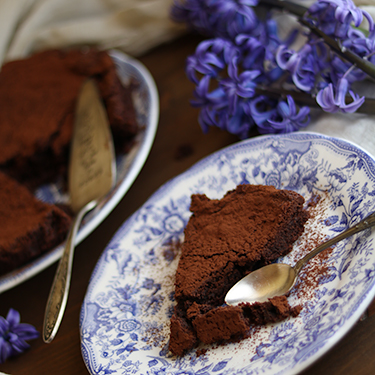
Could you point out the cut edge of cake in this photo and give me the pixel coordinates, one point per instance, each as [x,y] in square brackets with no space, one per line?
[200,302]
[29,228]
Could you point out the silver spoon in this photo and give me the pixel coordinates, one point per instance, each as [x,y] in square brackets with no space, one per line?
[279,278]
[92,174]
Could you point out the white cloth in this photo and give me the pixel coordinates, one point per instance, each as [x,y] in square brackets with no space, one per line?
[357,128]
[133,26]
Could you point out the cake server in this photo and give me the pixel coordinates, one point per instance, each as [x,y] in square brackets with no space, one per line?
[91,176]
[278,279]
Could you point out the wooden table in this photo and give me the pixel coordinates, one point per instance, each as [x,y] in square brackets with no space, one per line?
[179,144]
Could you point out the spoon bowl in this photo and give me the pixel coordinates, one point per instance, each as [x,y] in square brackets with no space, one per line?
[258,286]
[278,279]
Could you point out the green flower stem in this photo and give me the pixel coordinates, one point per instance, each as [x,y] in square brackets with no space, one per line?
[300,12]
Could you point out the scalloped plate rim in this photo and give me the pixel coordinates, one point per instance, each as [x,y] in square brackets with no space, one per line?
[169,185]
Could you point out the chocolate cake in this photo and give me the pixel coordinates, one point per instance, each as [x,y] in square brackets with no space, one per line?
[28,227]
[38,97]
[225,239]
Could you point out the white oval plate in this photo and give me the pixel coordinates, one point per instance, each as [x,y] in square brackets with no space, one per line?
[128,166]
[125,315]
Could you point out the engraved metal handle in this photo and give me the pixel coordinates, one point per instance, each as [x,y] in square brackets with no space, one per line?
[58,296]
[367,222]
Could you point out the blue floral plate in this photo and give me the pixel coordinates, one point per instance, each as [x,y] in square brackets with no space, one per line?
[125,315]
[128,166]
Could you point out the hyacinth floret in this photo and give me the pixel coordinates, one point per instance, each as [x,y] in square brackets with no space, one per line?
[360,44]
[13,335]
[238,85]
[301,65]
[246,57]
[241,122]
[235,17]
[254,51]
[211,56]
[284,118]
[334,100]
[335,17]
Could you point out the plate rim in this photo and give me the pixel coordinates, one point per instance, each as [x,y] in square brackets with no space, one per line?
[354,314]
[20,275]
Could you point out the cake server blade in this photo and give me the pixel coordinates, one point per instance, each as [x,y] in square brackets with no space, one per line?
[91,176]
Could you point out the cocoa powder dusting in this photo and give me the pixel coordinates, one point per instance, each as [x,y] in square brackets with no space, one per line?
[317,268]
[307,283]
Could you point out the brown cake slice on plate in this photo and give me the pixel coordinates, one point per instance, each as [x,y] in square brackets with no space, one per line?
[225,239]
[38,96]
[28,227]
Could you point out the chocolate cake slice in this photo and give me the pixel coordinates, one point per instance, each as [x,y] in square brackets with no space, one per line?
[225,239]
[28,227]
[38,96]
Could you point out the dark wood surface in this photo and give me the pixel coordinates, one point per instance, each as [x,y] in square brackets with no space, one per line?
[179,143]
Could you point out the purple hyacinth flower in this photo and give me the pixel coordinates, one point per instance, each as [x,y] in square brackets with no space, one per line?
[346,11]
[262,109]
[210,57]
[239,86]
[301,65]
[211,103]
[340,68]
[333,102]
[214,99]
[204,96]
[253,52]
[240,122]
[214,110]
[235,17]
[207,117]
[343,11]
[324,16]
[13,335]
[360,44]
[285,118]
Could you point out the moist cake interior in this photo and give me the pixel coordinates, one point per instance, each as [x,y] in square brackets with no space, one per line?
[225,239]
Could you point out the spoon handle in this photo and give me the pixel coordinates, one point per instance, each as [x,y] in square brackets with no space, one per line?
[365,223]
[60,288]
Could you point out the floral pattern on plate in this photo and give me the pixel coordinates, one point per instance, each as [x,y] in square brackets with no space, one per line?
[125,315]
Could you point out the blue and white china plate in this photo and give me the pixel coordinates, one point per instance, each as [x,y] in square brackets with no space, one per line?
[124,320]
[146,101]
